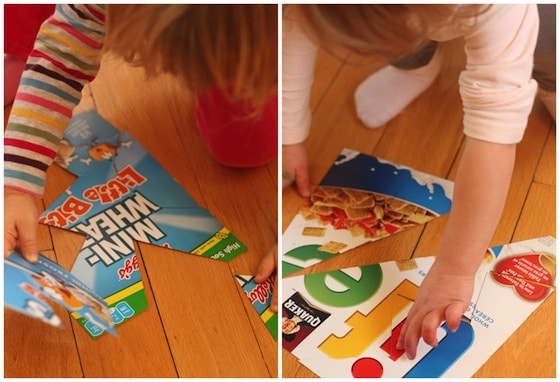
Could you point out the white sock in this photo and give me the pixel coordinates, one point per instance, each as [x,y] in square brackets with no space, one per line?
[388,91]
[549,100]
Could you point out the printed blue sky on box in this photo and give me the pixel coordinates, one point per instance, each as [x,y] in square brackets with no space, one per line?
[364,172]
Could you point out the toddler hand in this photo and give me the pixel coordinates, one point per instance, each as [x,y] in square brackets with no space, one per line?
[267,267]
[21,219]
[294,168]
[444,294]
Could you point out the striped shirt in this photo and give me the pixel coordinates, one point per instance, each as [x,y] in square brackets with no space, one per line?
[66,56]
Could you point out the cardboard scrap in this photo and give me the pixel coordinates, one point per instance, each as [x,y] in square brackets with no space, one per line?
[361,199]
[344,323]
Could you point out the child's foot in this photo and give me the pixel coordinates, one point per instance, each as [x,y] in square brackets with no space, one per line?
[388,91]
[549,100]
[13,68]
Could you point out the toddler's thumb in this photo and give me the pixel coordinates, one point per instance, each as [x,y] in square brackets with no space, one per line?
[28,246]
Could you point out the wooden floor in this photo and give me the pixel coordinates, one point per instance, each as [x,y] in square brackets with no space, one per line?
[428,136]
[199,322]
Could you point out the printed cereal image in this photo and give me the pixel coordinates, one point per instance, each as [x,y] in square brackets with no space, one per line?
[361,199]
[364,214]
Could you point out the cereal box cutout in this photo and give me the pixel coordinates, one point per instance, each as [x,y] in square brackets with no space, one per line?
[260,296]
[28,287]
[357,313]
[123,195]
[361,199]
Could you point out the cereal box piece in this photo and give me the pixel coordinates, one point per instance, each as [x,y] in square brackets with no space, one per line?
[332,192]
[419,218]
[549,263]
[396,205]
[356,196]
[411,209]
[378,211]
[328,202]
[406,265]
[356,230]
[368,202]
[358,213]
[321,210]
[314,231]
[332,247]
[402,223]
[318,192]
[306,213]
[394,215]
[337,194]
[488,258]
[380,197]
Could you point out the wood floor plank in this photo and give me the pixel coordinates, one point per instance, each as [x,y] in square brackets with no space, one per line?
[204,317]
[328,65]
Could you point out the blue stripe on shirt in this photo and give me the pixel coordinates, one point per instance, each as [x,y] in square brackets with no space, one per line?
[49,88]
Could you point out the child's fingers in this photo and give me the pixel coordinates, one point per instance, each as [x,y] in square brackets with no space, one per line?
[302,183]
[453,315]
[267,266]
[287,179]
[410,335]
[10,237]
[429,326]
[27,237]
[9,245]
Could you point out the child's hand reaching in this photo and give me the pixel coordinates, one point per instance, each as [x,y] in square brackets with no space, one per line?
[294,168]
[21,219]
[268,267]
[443,296]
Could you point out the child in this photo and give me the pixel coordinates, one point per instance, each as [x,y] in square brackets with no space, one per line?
[497,92]
[233,61]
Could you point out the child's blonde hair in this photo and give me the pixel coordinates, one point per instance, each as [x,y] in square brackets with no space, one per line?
[229,46]
[387,30]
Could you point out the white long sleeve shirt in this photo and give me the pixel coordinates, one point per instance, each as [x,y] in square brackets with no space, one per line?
[496,86]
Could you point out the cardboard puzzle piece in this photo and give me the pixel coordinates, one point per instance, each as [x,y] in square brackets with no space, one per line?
[349,319]
[260,296]
[361,199]
[123,195]
[28,288]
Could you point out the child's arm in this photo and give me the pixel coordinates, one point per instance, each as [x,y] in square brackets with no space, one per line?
[497,93]
[298,65]
[481,188]
[65,57]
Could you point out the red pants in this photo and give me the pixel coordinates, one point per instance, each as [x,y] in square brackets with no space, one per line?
[21,24]
[234,136]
